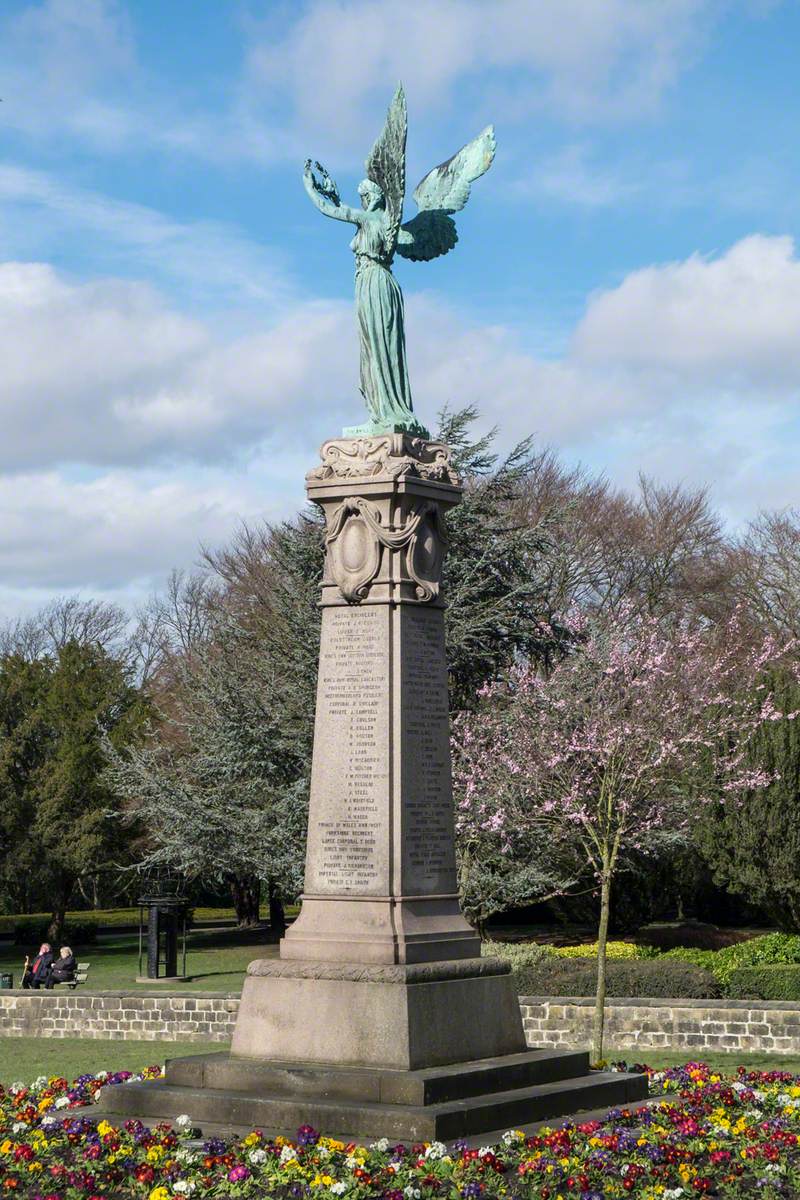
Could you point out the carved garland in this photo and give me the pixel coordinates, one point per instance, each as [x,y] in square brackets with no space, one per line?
[355,537]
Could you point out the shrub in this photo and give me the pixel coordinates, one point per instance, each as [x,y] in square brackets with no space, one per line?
[613,950]
[770,948]
[767,981]
[32,931]
[519,954]
[624,977]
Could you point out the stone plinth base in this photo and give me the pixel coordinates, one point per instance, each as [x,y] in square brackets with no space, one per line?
[404,1017]
[222,1092]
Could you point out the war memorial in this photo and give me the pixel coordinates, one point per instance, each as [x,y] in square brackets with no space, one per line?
[380,1017]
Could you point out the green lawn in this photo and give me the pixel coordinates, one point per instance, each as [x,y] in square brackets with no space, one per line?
[26,1058]
[727,1063]
[216,960]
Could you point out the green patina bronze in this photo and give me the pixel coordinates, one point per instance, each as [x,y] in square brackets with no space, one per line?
[380,234]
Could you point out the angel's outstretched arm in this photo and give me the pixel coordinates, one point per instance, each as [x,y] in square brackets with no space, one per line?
[325,202]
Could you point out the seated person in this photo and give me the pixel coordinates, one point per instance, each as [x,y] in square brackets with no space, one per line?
[63,969]
[35,973]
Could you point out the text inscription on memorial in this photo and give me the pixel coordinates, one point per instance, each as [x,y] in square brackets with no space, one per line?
[428,854]
[350,781]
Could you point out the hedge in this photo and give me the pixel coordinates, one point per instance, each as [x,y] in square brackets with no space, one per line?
[770,948]
[113,917]
[766,981]
[553,976]
[30,930]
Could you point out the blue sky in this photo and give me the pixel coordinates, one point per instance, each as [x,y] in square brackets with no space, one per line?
[176,328]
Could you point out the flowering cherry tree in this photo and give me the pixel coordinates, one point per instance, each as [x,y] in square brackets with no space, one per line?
[616,748]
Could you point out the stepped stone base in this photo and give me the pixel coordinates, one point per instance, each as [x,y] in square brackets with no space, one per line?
[224,1091]
[400,1016]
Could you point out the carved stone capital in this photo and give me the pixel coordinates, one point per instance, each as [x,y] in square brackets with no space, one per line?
[356,539]
[388,456]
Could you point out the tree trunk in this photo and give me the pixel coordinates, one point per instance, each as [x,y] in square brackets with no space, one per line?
[246,895]
[277,917]
[602,939]
[55,930]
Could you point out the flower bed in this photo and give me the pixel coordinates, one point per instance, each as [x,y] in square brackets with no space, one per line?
[729,1137]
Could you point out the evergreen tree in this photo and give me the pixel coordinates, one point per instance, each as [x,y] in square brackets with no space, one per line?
[58,713]
[753,848]
[23,743]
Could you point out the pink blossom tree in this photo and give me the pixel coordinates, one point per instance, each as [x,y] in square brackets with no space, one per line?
[616,748]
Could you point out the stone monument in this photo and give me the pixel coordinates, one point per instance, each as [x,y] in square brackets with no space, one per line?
[380,1017]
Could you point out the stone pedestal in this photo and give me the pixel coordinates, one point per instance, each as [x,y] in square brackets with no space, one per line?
[380,891]
[380,884]
[380,980]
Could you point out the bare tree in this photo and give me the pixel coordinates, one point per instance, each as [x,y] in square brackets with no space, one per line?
[67,619]
[765,563]
[173,623]
[659,551]
[24,637]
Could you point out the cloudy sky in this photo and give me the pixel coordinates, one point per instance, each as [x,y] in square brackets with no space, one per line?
[176,328]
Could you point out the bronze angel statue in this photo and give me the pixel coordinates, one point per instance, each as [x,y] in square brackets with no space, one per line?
[380,234]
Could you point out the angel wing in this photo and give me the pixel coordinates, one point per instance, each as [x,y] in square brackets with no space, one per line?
[386,164]
[443,191]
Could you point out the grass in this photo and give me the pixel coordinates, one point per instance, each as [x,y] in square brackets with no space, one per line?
[26,1058]
[724,1063]
[216,960]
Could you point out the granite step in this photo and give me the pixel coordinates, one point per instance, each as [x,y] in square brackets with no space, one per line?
[159,1100]
[434,1085]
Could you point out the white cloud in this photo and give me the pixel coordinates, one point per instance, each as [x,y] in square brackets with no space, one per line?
[106,372]
[733,319]
[585,59]
[215,260]
[571,177]
[57,59]
[72,67]
[688,370]
[110,531]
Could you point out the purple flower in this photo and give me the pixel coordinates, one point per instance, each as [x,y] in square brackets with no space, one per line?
[307,1136]
[237,1174]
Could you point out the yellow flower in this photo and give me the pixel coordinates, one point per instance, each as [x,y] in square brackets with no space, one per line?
[35,1166]
[6,1146]
[155,1154]
[103,1128]
[251,1139]
[159,1193]
[43,1105]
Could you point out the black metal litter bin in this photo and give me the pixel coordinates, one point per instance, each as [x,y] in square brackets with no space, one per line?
[6,980]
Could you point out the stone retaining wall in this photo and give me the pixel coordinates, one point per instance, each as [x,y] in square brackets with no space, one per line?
[151,1016]
[694,1026]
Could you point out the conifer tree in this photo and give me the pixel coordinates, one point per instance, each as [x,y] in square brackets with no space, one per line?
[754,848]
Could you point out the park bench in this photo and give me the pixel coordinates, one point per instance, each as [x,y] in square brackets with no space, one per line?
[81,974]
